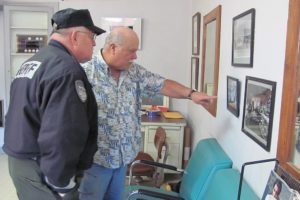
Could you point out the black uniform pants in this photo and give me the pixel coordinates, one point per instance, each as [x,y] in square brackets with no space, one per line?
[28,180]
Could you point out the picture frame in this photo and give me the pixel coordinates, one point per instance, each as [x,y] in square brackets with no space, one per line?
[109,23]
[233,95]
[243,27]
[258,110]
[194,73]
[1,113]
[279,185]
[209,89]
[196,22]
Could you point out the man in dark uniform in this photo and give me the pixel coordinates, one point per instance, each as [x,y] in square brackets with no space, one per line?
[51,123]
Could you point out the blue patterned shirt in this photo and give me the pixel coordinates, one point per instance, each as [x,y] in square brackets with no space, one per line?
[119,109]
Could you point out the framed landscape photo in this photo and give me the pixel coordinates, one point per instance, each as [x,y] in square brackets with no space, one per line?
[233,95]
[196,33]
[194,72]
[110,23]
[258,110]
[243,39]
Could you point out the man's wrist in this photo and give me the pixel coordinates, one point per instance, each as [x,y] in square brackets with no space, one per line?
[190,94]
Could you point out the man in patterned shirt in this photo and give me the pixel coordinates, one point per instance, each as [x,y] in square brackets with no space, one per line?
[118,83]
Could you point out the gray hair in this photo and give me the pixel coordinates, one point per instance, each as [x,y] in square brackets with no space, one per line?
[114,37]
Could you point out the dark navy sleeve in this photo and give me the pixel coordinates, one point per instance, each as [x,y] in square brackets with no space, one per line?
[64,130]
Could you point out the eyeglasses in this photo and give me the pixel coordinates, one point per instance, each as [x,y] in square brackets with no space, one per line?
[93,36]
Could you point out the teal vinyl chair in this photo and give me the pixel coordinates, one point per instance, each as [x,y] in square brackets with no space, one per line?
[207,158]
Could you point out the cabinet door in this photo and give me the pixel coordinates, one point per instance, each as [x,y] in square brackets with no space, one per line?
[26,29]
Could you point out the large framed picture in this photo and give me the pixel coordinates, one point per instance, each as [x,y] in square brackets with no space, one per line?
[196,33]
[243,39]
[258,110]
[134,23]
[194,72]
[233,95]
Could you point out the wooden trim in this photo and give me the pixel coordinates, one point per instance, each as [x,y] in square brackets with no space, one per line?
[290,90]
[215,14]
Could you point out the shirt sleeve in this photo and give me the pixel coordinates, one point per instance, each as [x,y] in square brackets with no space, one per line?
[150,82]
[64,129]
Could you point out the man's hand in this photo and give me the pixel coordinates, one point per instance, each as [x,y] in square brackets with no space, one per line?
[202,99]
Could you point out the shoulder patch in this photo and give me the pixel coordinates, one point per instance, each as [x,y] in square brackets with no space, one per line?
[28,69]
[81,91]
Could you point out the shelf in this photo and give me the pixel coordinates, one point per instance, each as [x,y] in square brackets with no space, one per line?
[29,28]
[22,54]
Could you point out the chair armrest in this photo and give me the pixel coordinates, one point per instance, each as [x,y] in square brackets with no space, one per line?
[153,194]
[156,164]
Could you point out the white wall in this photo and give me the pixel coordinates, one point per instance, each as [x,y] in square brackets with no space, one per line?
[2,72]
[269,54]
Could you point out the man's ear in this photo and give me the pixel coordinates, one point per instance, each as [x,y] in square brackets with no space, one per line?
[73,38]
[113,48]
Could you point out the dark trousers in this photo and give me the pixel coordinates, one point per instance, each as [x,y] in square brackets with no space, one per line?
[28,180]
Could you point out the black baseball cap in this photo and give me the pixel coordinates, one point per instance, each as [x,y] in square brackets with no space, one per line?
[69,17]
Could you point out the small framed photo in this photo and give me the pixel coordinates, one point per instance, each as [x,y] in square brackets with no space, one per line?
[243,39]
[1,113]
[233,95]
[194,72]
[277,186]
[258,110]
[196,34]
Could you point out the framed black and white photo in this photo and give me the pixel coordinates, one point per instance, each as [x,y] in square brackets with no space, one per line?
[258,110]
[1,113]
[196,33]
[243,39]
[233,95]
[194,72]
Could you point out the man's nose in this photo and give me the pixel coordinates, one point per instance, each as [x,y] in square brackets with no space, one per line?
[134,56]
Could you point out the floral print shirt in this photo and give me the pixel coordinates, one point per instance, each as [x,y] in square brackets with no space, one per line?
[119,109]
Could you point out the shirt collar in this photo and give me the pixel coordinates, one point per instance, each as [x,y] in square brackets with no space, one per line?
[100,59]
[58,45]
[105,66]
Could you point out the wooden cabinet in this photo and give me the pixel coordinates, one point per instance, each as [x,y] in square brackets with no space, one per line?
[175,137]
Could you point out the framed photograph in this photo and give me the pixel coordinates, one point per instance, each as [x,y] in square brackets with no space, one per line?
[233,95]
[109,23]
[243,39]
[194,72]
[209,89]
[196,33]
[1,113]
[258,110]
[278,188]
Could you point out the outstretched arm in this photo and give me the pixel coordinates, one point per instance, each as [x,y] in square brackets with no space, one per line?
[176,90]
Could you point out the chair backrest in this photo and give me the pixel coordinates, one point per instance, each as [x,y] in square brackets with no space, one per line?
[159,141]
[206,159]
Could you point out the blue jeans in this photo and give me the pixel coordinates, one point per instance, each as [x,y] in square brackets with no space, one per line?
[103,183]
